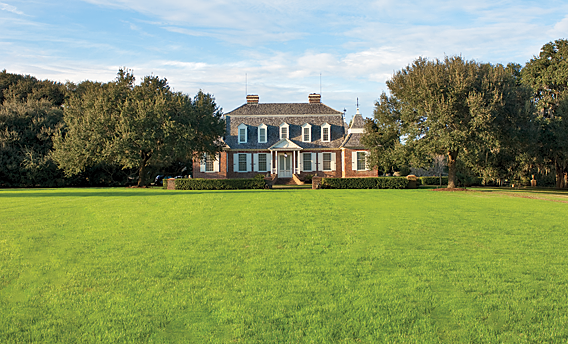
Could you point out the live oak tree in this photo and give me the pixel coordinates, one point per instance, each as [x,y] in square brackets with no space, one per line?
[547,74]
[450,107]
[143,127]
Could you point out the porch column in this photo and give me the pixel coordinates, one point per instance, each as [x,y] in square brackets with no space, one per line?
[293,162]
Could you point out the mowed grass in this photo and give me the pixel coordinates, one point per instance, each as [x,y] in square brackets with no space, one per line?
[281,266]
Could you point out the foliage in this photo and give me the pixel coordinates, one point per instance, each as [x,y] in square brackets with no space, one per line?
[144,127]
[433,180]
[364,183]
[219,184]
[547,74]
[30,114]
[448,107]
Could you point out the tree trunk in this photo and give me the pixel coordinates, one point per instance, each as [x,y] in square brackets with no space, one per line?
[559,176]
[452,159]
[142,170]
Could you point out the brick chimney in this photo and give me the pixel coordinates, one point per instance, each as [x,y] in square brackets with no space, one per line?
[314,98]
[252,99]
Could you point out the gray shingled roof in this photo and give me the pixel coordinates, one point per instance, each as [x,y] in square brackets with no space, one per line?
[353,141]
[294,114]
[263,109]
[358,122]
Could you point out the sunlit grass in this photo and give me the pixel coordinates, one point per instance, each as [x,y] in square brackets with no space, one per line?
[408,266]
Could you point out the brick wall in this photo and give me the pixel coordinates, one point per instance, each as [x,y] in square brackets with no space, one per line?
[211,175]
[349,172]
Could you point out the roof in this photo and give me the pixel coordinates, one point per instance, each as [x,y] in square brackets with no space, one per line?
[355,133]
[285,144]
[353,141]
[358,122]
[282,109]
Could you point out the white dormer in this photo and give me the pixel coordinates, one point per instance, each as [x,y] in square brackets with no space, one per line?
[307,133]
[284,131]
[325,132]
[243,133]
[262,133]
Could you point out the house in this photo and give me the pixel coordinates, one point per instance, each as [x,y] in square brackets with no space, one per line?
[283,139]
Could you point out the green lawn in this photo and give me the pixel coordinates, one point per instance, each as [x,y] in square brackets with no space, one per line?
[289,266]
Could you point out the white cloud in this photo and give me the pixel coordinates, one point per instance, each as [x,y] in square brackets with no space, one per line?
[10,8]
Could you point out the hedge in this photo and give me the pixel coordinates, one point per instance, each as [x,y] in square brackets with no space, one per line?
[364,183]
[219,184]
[433,180]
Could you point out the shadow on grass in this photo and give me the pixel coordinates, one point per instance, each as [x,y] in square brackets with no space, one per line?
[100,192]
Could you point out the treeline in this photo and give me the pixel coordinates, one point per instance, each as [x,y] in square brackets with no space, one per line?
[493,121]
[100,134]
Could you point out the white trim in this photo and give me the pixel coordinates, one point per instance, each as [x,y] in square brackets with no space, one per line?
[356,131]
[260,127]
[309,128]
[287,126]
[328,127]
[242,126]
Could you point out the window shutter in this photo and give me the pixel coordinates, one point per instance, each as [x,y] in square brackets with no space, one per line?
[202,165]
[269,162]
[248,162]
[301,161]
[367,155]
[235,162]
[354,161]
[255,160]
[320,162]
[333,161]
[216,163]
[314,167]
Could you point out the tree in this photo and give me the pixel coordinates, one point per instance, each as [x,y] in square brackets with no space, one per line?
[547,75]
[450,107]
[143,127]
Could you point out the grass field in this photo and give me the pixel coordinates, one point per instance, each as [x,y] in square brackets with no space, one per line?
[283,266]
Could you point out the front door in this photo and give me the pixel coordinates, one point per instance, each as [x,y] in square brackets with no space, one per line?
[285,165]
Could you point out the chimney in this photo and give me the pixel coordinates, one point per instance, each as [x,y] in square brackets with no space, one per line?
[252,99]
[314,98]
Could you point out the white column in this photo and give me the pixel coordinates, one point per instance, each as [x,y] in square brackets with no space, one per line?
[293,162]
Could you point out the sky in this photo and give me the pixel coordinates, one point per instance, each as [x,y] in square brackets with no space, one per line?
[281,50]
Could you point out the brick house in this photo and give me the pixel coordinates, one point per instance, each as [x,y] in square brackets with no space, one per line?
[280,140]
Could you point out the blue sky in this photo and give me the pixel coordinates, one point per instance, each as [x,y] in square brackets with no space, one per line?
[282,46]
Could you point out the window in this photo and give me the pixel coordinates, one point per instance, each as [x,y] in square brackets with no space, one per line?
[325,132]
[306,133]
[361,161]
[262,162]
[243,133]
[327,161]
[307,162]
[262,133]
[284,131]
[242,162]
[209,164]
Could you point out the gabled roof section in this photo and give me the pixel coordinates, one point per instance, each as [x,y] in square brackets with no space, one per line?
[358,122]
[283,109]
[285,144]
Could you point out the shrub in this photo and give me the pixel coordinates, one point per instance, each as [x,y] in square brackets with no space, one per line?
[364,183]
[219,184]
[433,180]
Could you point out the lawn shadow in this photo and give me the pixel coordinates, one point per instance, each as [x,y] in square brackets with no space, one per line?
[109,192]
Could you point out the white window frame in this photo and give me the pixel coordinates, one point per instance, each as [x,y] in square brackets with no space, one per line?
[311,159]
[328,127]
[236,164]
[332,164]
[242,139]
[265,128]
[309,128]
[207,158]
[354,160]
[257,162]
[287,126]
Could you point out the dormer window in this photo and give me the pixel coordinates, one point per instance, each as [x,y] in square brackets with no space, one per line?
[243,133]
[326,132]
[284,131]
[306,133]
[262,133]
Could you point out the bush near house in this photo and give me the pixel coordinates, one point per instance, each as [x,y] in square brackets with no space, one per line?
[364,183]
[433,180]
[219,184]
